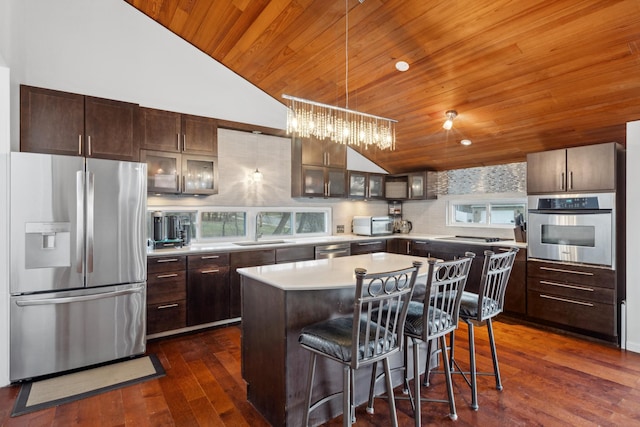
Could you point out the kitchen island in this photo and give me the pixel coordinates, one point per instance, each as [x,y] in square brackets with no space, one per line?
[277,302]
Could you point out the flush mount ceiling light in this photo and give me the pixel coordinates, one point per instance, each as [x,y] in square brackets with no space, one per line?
[465,141]
[451,114]
[309,118]
[402,66]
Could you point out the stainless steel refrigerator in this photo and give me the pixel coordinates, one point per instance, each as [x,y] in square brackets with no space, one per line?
[78,262]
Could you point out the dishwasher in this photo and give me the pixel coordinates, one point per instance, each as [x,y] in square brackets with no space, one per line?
[333,251]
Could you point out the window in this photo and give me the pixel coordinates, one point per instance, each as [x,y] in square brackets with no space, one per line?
[293,223]
[486,213]
[223,224]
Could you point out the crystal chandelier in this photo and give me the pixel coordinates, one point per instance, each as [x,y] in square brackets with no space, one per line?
[342,125]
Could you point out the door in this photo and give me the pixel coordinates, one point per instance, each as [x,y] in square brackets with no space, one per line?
[546,172]
[111,129]
[46,222]
[199,135]
[161,130]
[116,225]
[55,332]
[199,174]
[591,168]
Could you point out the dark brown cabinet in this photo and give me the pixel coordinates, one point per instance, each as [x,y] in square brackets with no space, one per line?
[580,297]
[515,297]
[166,293]
[366,185]
[64,123]
[411,186]
[240,260]
[178,133]
[175,173]
[368,247]
[207,288]
[579,169]
[325,173]
[295,253]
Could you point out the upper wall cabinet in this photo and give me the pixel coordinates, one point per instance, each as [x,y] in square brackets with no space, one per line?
[411,186]
[325,175]
[366,185]
[70,124]
[590,168]
[178,133]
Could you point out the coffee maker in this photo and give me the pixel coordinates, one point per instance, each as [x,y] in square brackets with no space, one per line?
[169,231]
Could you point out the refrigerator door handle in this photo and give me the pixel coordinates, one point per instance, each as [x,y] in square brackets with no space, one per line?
[67,300]
[79,219]
[90,217]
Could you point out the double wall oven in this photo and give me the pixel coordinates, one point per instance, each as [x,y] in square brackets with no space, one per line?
[577,228]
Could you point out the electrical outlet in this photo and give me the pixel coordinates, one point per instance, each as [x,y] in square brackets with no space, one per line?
[339,228]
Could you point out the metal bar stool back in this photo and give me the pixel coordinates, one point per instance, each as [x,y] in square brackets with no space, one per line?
[479,309]
[356,341]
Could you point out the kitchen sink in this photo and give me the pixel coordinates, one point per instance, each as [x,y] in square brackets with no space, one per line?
[260,242]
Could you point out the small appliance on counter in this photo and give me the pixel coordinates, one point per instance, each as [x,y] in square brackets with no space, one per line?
[403,226]
[170,231]
[372,225]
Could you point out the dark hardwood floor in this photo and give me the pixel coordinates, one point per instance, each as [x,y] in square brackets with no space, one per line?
[549,379]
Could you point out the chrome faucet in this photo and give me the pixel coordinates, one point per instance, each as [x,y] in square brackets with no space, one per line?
[258,234]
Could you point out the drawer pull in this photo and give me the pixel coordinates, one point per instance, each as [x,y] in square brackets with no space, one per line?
[210,271]
[166,276]
[562,285]
[369,243]
[210,257]
[566,300]
[167,260]
[584,273]
[161,307]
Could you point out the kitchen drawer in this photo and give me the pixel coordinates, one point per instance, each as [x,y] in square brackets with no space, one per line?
[295,253]
[586,315]
[368,247]
[166,286]
[166,316]
[571,273]
[166,263]
[208,261]
[575,291]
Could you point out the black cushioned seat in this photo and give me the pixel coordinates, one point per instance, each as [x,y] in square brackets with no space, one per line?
[340,339]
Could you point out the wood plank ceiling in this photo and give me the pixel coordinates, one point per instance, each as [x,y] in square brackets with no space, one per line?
[524,76]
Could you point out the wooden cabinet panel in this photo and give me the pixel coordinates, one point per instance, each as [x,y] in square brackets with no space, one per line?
[166,293]
[399,246]
[166,316]
[515,299]
[368,247]
[295,253]
[111,129]
[208,261]
[64,123]
[166,263]
[318,169]
[323,153]
[244,259]
[578,169]
[166,286]
[199,135]
[161,130]
[51,121]
[365,185]
[207,295]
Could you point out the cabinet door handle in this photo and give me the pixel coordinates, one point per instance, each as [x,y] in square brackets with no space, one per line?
[210,257]
[562,187]
[571,180]
[178,141]
[167,260]
[161,307]
[184,142]
[80,145]
[166,276]
[89,145]
[559,270]
[563,285]
[571,301]
[210,271]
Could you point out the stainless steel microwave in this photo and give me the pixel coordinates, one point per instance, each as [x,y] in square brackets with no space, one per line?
[372,225]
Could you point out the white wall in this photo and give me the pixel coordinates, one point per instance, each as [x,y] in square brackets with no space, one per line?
[4,221]
[633,237]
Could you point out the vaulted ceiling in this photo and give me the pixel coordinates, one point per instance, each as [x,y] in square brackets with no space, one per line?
[524,76]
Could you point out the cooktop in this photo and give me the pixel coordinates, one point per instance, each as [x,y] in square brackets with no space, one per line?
[474,238]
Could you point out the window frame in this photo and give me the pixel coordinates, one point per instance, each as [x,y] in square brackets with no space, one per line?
[489,204]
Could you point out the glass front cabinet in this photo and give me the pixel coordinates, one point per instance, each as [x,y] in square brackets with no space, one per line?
[174,173]
[365,185]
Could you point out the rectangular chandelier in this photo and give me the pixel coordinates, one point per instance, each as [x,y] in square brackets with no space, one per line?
[308,118]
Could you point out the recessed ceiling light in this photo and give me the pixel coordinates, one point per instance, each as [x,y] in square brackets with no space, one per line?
[402,66]
[465,142]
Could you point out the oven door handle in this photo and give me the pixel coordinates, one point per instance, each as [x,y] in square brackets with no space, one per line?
[570,212]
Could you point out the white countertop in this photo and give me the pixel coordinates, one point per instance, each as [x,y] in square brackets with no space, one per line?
[332,273]
[196,248]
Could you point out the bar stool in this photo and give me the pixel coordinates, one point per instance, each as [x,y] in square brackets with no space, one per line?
[356,341]
[431,320]
[479,309]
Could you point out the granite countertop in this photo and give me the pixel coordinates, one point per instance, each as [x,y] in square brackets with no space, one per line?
[233,246]
[332,273]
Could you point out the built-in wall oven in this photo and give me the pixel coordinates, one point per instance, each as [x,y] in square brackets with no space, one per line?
[576,228]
